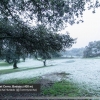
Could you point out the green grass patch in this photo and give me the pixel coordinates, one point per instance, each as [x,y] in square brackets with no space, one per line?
[21,81]
[4,64]
[65,88]
[62,88]
[7,71]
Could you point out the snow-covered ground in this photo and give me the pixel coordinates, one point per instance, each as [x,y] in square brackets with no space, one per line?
[83,71]
[29,63]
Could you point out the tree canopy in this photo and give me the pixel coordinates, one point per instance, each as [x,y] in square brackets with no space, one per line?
[30,26]
[92,50]
[17,42]
[52,13]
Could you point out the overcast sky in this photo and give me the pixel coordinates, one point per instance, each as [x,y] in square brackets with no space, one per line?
[87,31]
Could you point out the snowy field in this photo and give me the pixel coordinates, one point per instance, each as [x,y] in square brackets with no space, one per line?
[85,72]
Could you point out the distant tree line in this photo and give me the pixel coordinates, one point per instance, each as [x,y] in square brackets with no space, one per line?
[92,50]
[74,52]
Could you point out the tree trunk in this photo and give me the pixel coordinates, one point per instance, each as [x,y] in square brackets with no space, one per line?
[15,65]
[44,62]
[24,59]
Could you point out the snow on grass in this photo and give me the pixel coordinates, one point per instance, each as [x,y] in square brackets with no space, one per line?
[83,71]
[32,72]
[29,63]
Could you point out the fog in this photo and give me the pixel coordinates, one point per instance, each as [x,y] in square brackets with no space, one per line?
[87,31]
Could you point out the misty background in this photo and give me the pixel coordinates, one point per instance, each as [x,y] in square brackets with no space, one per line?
[87,31]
